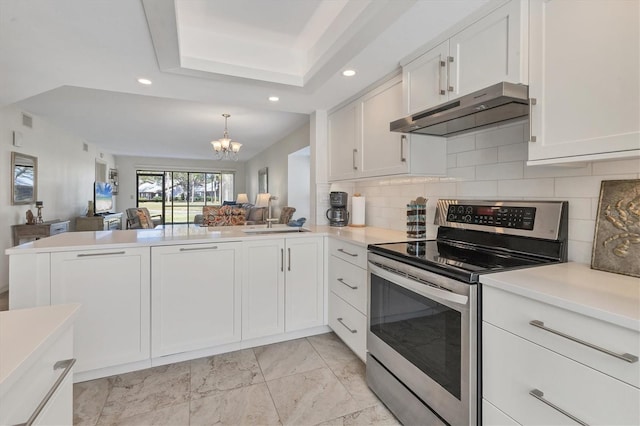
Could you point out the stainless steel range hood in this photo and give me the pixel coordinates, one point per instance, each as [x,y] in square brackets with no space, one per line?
[500,102]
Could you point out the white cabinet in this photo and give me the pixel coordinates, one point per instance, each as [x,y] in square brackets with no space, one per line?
[345,142]
[585,80]
[535,354]
[112,287]
[491,50]
[361,144]
[348,294]
[283,285]
[195,296]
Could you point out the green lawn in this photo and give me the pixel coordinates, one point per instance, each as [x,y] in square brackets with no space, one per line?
[176,215]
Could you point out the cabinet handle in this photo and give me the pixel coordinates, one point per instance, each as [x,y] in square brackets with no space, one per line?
[347,253]
[100,254]
[289,255]
[346,326]
[441,91]
[281,259]
[67,364]
[355,151]
[350,286]
[625,357]
[532,102]
[198,248]
[449,62]
[403,139]
[539,395]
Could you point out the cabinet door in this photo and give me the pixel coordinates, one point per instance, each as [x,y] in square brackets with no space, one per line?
[425,80]
[344,147]
[196,291]
[585,81]
[492,50]
[113,288]
[263,288]
[383,152]
[304,296]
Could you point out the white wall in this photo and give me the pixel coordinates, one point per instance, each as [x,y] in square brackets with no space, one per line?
[299,195]
[65,174]
[490,164]
[127,167]
[276,159]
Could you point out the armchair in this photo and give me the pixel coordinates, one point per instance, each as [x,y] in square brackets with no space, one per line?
[140,218]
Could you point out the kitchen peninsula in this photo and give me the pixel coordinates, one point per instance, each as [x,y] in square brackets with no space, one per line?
[152,297]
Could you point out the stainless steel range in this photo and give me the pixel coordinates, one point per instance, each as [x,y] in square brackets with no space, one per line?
[424,303]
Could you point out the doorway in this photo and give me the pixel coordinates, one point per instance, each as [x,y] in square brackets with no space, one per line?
[299,182]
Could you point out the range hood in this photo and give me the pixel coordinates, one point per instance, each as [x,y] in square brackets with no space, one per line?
[500,102]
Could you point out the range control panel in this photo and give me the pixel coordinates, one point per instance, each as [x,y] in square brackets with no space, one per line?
[504,217]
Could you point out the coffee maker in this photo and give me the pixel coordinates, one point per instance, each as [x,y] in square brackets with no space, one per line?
[338,214]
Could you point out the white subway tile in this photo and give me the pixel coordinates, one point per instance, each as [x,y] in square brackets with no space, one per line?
[526,188]
[479,189]
[513,152]
[581,230]
[479,156]
[585,186]
[462,173]
[461,144]
[616,167]
[500,136]
[500,171]
[451,161]
[557,171]
[580,251]
[580,208]
[440,189]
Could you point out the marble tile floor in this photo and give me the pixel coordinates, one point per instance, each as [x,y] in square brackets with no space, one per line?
[311,381]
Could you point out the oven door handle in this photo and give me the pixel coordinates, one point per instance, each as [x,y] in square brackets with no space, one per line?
[458,302]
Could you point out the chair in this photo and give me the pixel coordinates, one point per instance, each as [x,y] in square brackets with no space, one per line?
[140,218]
[286,214]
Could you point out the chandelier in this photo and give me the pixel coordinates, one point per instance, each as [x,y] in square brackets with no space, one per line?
[224,148]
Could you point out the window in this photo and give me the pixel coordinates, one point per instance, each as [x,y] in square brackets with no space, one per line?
[178,196]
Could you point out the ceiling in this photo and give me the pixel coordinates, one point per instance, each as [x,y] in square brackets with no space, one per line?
[76,63]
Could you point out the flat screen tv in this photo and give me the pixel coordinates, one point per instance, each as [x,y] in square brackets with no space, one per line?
[102,197]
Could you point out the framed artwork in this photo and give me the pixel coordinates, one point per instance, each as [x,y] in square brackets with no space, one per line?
[616,245]
[263,180]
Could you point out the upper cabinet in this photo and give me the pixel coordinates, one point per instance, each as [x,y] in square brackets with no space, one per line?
[491,50]
[361,145]
[585,80]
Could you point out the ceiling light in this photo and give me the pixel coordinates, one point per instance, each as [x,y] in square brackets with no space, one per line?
[144,81]
[348,73]
[274,98]
[224,148]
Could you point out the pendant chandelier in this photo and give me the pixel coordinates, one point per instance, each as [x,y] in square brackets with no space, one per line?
[224,148]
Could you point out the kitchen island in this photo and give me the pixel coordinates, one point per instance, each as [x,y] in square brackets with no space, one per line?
[152,297]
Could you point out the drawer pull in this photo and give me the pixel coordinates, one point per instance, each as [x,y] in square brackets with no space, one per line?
[347,253]
[198,248]
[67,364]
[350,286]
[101,254]
[346,326]
[625,357]
[539,395]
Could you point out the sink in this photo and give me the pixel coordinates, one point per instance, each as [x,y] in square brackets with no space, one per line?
[274,230]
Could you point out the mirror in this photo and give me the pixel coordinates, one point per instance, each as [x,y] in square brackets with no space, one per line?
[263,180]
[24,182]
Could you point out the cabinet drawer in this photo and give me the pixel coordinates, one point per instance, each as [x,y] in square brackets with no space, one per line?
[349,282]
[58,228]
[514,313]
[349,324]
[351,253]
[513,367]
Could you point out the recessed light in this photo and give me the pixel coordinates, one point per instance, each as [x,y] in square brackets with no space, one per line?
[348,73]
[144,81]
[274,98]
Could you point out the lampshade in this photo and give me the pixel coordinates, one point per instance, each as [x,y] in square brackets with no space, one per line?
[242,199]
[262,200]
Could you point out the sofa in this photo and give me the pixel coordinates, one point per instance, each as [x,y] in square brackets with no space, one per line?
[231,215]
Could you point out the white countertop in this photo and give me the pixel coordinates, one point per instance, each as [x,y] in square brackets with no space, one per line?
[184,234]
[576,287]
[26,333]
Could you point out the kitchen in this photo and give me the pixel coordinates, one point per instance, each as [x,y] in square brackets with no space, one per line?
[487,164]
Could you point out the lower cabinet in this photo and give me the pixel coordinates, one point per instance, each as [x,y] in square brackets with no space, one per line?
[195,296]
[112,286]
[283,285]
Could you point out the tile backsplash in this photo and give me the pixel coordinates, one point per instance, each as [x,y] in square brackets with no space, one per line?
[491,164]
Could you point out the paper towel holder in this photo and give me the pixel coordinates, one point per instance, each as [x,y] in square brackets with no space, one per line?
[357,211]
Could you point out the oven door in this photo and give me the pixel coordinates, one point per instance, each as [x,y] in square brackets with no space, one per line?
[423,330]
